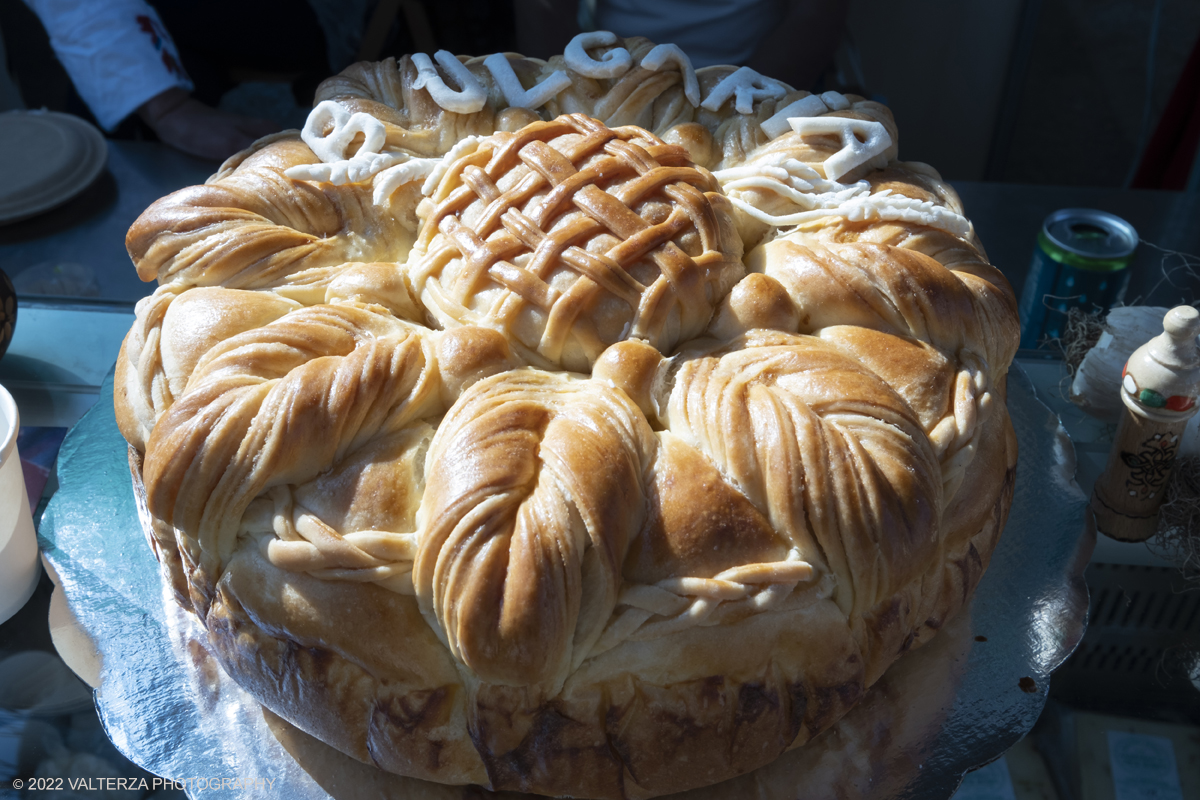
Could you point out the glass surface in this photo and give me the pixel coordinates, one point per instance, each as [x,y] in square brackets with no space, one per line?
[78,249]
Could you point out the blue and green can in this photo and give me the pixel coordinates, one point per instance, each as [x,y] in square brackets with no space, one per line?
[1081,261]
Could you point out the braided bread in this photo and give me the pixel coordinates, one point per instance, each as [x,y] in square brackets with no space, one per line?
[591,427]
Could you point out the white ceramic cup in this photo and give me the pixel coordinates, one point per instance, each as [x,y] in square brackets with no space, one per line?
[19,565]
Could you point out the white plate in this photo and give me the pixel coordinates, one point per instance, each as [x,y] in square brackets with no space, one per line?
[46,158]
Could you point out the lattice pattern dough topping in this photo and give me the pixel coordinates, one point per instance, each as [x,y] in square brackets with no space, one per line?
[568,236]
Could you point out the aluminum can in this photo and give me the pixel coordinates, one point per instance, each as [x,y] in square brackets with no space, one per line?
[1081,261]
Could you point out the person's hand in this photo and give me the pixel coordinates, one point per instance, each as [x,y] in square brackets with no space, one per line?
[186,124]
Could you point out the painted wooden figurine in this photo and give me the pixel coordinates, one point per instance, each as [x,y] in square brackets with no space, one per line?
[1159,387]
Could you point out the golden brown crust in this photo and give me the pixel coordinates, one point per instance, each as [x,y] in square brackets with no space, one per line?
[617,236]
[533,493]
[396,701]
[518,473]
[317,674]
[682,538]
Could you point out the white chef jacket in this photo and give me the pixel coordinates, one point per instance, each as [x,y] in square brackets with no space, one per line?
[117,52]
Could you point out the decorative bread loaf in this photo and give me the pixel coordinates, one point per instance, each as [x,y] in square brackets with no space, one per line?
[593,427]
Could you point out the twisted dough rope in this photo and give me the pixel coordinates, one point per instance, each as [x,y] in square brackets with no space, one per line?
[257,228]
[956,438]
[375,541]
[305,543]
[650,611]
[276,405]
[772,405]
[534,491]
[876,287]
[141,384]
[251,228]
[174,326]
